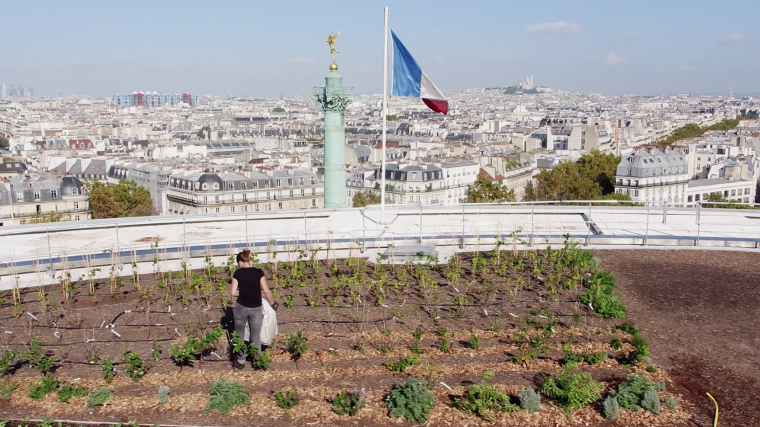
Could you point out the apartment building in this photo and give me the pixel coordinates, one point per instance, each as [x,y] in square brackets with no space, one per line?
[249,191]
[653,176]
[24,201]
[412,184]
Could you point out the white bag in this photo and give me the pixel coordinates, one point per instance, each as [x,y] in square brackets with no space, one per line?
[268,326]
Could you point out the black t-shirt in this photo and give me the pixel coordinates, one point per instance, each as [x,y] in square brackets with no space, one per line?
[249,286]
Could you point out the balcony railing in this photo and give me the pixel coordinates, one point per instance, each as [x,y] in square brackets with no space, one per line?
[654,184]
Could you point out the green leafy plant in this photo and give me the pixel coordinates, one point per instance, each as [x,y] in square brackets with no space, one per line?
[348,402]
[572,390]
[287,399]
[99,396]
[483,398]
[261,359]
[382,349]
[135,366]
[411,400]
[474,341]
[185,353]
[225,395]
[36,357]
[67,391]
[7,387]
[298,344]
[163,394]
[155,352]
[638,392]
[578,358]
[671,402]
[530,400]
[288,301]
[6,360]
[46,385]
[417,334]
[601,298]
[107,369]
[616,344]
[401,364]
[640,350]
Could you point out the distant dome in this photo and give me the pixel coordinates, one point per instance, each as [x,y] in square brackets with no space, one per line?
[71,186]
[520,110]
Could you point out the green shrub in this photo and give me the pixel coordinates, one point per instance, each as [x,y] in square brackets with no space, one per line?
[628,327]
[610,408]
[616,344]
[298,344]
[671,402]
[47,385]
[348,402]
[577,358]
[651,401]
[163,394]
[6,360]
[36,357]
[530,400]
[261,359]
[68,391]
[444,345]
[417,333]
[411,400]
[287,400]
[135,366]
[482,398]
[600,293]
[108,371]
[630,394]
[474,341]
[572,390]
[99,396]
[402,363]
[7,387]
[640,350]
[225,395]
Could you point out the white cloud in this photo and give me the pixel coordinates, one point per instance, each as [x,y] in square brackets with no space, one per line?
[554,28]
[613,58]
[301,60]
[734,38]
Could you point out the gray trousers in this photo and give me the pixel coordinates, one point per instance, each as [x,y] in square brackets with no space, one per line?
[254,317]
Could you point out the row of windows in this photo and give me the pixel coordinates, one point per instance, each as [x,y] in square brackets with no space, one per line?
[264,207]
[178,183]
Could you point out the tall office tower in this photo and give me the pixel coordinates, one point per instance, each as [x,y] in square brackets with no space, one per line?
[59,93]
[21,92]
[730,93]
[3,91]
[30,92]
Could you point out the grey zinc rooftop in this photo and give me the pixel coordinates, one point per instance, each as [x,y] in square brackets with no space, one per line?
[696,183]
[652,162]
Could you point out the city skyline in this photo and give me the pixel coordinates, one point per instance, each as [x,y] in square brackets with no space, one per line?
[266,50]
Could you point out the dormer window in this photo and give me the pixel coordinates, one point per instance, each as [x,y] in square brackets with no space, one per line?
[204,186]
[74,191]
[216,186]
[198,185]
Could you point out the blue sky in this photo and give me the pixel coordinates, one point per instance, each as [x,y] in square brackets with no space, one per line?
[257,48]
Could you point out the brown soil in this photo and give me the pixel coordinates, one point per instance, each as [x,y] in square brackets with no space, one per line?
[699,310]
[492,304]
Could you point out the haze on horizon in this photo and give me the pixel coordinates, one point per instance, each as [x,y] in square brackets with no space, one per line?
[98,48]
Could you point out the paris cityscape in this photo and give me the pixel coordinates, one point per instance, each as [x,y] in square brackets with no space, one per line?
[301,228]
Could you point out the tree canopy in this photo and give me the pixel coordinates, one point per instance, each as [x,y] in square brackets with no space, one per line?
[485,191]
[125,199]
[3,143]
[718,197]
[362,199]
[591,178]
[692,130]
[278,110]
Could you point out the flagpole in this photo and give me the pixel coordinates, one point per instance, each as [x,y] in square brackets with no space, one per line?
[385,114]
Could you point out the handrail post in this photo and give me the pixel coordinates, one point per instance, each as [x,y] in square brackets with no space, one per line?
[588,224]
[664,212]
[463,206]
[532,220]
[646,235]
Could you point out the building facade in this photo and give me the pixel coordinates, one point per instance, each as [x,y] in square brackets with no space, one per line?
[653,176]
[458,177]
[200,192]
[32,201]
[154,99]
[424,185]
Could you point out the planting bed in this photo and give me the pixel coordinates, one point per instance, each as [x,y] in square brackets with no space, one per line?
[700,311]
[515,314]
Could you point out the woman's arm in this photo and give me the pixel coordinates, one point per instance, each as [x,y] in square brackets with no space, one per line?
[265,289]
[234,290]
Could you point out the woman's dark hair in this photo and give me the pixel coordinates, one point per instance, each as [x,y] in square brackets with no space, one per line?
[244,256]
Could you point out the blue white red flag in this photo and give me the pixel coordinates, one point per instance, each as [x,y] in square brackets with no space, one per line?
[409,80]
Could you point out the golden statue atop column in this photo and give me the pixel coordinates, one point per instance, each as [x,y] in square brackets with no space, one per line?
[331,41]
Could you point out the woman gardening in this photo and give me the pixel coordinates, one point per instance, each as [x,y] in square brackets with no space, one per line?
[248,283]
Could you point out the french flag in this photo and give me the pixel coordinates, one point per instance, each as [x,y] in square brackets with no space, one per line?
[409,80]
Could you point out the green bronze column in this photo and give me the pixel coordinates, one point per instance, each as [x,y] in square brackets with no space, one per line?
[334,98]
